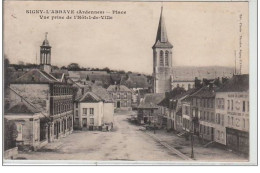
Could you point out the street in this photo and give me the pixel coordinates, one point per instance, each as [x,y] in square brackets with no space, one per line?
[125,142]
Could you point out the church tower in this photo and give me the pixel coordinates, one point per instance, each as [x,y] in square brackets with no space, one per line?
[162,59]
[45,55]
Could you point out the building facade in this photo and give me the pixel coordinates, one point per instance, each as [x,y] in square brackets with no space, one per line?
[51,96]
[148,109]
[122,96]
[27,121]
[92,112]
[232,102]
[203,108]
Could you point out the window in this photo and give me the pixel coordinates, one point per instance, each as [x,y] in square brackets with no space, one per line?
[76,121]
[166,58]
[244,106]
[77,105]
[84,122]
[228,107]
[20,132]
[228,120]
[212,116]
[244,123]
[232,121]
[222,119]
[91,111]
[91,121]
[186,110]
[161,58]
[77,113]
[232,105]
[237,122]
[85,111]
[125,95]
[218,134]
[222,135]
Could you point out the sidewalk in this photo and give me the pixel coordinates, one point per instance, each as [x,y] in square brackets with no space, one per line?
[200,152]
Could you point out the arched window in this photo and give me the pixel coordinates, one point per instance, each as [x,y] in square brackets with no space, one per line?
[166,58]
[161,58]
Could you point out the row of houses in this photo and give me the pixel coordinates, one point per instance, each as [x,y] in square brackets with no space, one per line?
[217,112]
[43,105]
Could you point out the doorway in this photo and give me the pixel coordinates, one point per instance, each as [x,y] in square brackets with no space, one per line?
[118,104]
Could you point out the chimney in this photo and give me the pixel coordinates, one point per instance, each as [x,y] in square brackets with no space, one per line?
[82,91]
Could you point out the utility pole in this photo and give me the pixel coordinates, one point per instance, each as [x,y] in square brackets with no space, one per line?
[235,62]
[192,138]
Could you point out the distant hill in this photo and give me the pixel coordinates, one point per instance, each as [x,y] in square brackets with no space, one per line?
[209,72]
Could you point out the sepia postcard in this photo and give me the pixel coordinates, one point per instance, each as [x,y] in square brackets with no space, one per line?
[129,83]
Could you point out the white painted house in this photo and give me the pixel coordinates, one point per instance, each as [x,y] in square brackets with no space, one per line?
[94,110]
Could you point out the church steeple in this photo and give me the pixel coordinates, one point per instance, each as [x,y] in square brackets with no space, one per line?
[162,59]
[161,37]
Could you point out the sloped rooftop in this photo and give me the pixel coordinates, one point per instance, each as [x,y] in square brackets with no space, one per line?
[36,76]
[238,83]
[22,108]
[114,88]
[151,101]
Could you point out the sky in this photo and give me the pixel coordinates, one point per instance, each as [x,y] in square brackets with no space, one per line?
[202,33]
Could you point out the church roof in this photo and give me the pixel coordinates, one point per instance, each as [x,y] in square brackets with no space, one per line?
[161,37]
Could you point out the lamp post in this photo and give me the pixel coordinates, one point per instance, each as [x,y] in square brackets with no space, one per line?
[192,153]
[192,137]
[154,127]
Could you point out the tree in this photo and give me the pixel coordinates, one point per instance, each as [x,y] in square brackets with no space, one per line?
[10,134]
[63,68]
[74,67]
[54,67]
[6,72]
[106,69]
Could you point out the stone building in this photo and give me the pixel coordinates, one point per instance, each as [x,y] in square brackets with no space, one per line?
[52,96]
[162,59]
[232,103]
[27,120]
[203,108]
[122,96]
[148,109]
[173,108]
